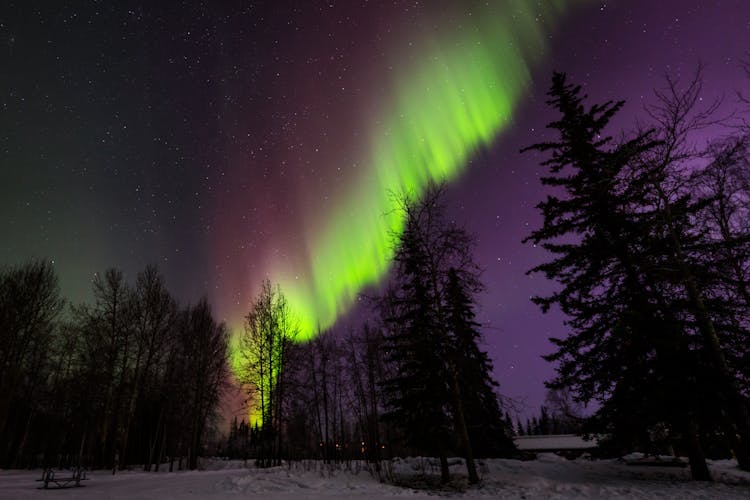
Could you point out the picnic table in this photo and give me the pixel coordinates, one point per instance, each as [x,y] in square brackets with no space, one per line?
[62,478]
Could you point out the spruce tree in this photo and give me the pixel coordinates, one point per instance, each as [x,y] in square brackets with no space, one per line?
[440,391]
[417,392]
[625,333]
[484,418]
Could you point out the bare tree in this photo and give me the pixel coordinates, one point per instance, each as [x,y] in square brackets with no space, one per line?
[365,366]
[204,344]
[153,312]
[105,328]
[268,331]
[677,117]
[29,306]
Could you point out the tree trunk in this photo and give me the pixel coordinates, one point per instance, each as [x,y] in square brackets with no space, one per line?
[280,402]
[698,468]
[463,433]
[154,443]
[83,445]
[24,439]
[324,380]
[162,450]
[445,475]
[737,404]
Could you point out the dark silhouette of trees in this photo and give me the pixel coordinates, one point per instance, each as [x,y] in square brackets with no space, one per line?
[417,390]
[366,366]
[331,392]
[105,329]
[438,385]
[30,304]
[155,315]
[726,221]
[128,379]
[269,331]
[331,403]
[202,348]
[689,257]
[614,348]
[635,284]
[566,413]
[549,421]
[488,429]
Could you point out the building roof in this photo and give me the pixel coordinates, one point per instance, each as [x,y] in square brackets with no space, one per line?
[555,442]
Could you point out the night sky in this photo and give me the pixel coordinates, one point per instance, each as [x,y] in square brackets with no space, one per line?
[232,141]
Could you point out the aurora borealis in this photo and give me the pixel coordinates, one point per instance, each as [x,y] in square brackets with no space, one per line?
[455,93]
[234,141]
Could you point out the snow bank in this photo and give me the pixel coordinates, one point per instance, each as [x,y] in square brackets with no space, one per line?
[549,477]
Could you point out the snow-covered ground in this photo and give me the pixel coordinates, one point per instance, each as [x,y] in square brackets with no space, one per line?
[549,477]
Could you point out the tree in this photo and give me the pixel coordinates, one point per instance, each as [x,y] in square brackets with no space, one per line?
[417,392]
[154,313]
[486,426]
[326,383]
[566,412]
[627,340]
[366,369]
[726,223]
[30,304]
[106,330]
[127,379]
[264,346]
[203,345]
[689,253]
[440,382]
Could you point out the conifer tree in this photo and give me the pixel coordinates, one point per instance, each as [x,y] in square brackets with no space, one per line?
[627,341]
[441,382]
[484,418]
[417,393]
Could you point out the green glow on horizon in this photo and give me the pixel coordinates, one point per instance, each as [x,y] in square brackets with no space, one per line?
[454,94]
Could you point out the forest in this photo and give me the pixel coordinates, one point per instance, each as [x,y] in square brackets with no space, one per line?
[135,379]
[132,378]
[648,241]
[649,234]
[648,237]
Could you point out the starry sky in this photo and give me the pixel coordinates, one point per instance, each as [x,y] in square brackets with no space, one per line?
[220,139]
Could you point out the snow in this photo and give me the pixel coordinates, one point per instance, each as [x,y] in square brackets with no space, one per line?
[549,477]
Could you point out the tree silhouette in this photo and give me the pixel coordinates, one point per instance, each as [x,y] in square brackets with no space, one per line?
[627,346]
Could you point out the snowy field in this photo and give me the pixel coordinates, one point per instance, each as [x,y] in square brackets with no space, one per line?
[549,477]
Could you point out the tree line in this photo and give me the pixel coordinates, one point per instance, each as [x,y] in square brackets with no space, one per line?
[649,237]
[132,378]
[413,382]
[547,422]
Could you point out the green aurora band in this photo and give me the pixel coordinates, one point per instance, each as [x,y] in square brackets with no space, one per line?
[458,92]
